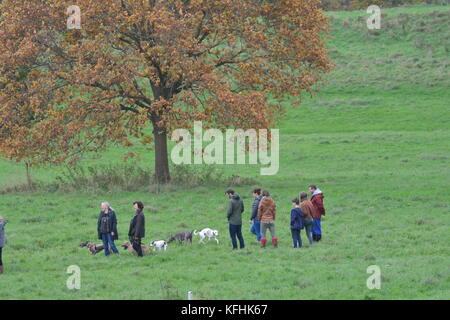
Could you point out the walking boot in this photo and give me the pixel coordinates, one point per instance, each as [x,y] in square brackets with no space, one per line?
[263,243]
[275,242]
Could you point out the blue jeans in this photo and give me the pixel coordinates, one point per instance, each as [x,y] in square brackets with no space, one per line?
[296,238]
[107,243]
[316,229]
[256,229]
[236,230]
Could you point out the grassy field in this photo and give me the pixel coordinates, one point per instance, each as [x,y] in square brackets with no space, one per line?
[376,140]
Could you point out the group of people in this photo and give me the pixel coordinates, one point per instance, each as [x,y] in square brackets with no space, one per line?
[305,214]
[107,228]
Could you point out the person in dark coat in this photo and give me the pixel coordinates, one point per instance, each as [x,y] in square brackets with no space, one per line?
[107,228]
[256,224]
[296,223]
[234,216]
[2,241]
[137,227]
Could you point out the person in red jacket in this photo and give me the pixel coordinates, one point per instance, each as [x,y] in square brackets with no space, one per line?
[317,201]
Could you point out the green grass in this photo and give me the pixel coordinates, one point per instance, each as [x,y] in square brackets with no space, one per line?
[375,139]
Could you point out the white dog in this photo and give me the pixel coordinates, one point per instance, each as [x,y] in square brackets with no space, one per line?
[207,232]
[160,244]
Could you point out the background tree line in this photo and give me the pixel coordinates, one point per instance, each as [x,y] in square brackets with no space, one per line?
[363,4]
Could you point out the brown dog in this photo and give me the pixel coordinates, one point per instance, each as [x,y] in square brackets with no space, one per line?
[93,248]
[128,246]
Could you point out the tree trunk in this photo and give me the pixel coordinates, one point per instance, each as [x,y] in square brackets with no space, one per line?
[162,174]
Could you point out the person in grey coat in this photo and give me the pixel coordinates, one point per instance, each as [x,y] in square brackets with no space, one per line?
[2,241]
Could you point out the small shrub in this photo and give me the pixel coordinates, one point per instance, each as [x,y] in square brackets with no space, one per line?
[120,177]
[238,181]
[126,177]
[132,178]
[193,176]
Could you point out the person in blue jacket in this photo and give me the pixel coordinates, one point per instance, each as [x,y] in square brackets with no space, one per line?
[296,222]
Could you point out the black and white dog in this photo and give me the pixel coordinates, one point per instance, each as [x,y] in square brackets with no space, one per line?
[160,245]
[207,232]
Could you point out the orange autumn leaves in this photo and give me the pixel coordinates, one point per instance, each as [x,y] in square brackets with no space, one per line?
[136,64]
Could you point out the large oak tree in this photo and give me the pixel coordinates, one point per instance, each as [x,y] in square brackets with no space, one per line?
[139,63]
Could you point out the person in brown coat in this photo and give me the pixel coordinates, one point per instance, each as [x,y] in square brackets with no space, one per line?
[266,214]
[309,211]
[317,201]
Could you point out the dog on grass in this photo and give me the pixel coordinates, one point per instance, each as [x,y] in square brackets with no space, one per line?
[182,236]
[160,244]
[207,232]
[128,246]
[93,248]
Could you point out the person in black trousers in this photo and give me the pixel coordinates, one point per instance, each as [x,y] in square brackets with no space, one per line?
[137,227]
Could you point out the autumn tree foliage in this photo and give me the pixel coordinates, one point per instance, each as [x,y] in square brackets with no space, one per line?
[138,64]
